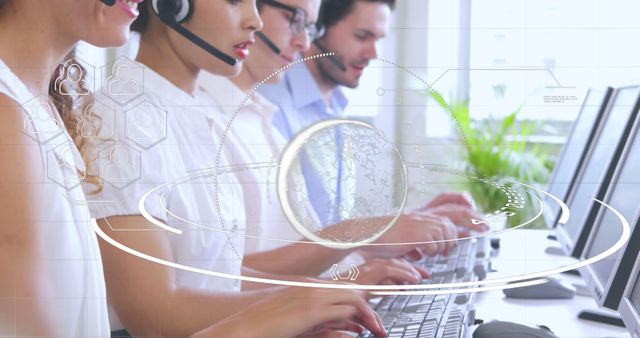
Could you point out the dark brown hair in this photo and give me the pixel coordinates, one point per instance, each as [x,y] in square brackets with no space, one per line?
[141,23]
[333,11]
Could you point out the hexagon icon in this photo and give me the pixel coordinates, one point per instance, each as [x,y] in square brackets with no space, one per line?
[103,125]
[77,78]
[344,272]
[41,121]
[145,124]
[64,166]
[120,164]
[124,81]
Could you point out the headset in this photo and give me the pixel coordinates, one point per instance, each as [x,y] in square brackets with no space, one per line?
[174,12]
[269,43]
[316,42]
[322,28]
[277,50]
[333,58]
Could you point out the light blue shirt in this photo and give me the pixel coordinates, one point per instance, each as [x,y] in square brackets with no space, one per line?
[300,105]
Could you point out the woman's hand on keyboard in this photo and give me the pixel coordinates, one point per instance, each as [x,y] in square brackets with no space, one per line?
[291,312]
[396,271]
[328,334]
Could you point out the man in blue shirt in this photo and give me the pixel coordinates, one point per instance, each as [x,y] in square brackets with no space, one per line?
[311,91]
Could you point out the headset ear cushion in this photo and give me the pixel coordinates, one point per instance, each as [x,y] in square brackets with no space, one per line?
[185,10]
[321,30]
[179,10]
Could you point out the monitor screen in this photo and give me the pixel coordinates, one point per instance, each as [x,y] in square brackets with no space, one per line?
[624,197]
[597,167]
[574,149]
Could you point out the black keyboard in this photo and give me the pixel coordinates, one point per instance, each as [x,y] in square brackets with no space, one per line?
[437,316]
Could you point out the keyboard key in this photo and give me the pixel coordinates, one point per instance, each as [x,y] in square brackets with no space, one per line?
[462,299]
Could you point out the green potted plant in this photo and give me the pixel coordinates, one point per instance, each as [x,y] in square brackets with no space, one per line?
[497,150]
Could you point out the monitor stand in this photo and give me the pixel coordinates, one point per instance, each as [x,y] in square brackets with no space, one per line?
[582,290]
[557,251]
[601,318]
[554,250]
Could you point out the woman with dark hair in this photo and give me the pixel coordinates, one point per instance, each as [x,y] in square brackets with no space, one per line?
[289,29]
[51,283]
[163,135]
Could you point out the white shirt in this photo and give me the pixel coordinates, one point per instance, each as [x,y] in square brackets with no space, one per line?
[169,139]
[70,250]
[252,139]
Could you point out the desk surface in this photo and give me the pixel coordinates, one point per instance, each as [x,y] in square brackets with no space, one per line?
[522,251]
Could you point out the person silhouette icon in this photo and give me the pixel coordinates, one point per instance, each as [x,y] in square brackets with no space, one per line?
[122,83]
[87,127]
[65,165]
[144,126]
[119,168]
[71,81]
[41,122]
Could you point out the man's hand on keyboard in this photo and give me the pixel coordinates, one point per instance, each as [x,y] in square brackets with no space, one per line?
[434,235]
[461,199]
[460,215]
[390,271]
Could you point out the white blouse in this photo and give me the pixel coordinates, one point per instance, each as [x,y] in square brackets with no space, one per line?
[162,136]
[252,139]
[70,250]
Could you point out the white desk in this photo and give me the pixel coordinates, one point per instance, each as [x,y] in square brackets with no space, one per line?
[522,251]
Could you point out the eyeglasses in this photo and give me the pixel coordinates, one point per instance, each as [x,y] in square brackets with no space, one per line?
[298,22]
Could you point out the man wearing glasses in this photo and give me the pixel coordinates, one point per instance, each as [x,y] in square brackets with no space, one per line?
[312,92]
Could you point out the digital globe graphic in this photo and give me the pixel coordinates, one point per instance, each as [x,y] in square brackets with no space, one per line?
[365,196]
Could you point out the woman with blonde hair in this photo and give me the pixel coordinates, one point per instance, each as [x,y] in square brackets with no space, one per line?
[52,283]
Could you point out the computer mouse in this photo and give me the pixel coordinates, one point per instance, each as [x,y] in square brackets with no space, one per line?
[499,329]
[553,289]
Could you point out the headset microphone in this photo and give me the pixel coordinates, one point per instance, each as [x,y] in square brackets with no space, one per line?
[332,58]
[173,13]
[269,43]
[109,2]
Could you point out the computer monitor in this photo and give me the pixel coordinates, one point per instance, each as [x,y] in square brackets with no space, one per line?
[596,171]
[607,278]
[575,149]
[629,308]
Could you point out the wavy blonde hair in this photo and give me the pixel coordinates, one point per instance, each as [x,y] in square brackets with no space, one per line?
[76,111]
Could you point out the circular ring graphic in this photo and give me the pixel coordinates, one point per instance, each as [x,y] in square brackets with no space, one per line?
[463,287]
[624,237]
[289,157]
[287,208]
[161,224]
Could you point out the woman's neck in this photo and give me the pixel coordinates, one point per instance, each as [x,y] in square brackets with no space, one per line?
[158,54]
[32,47]
[245,81]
